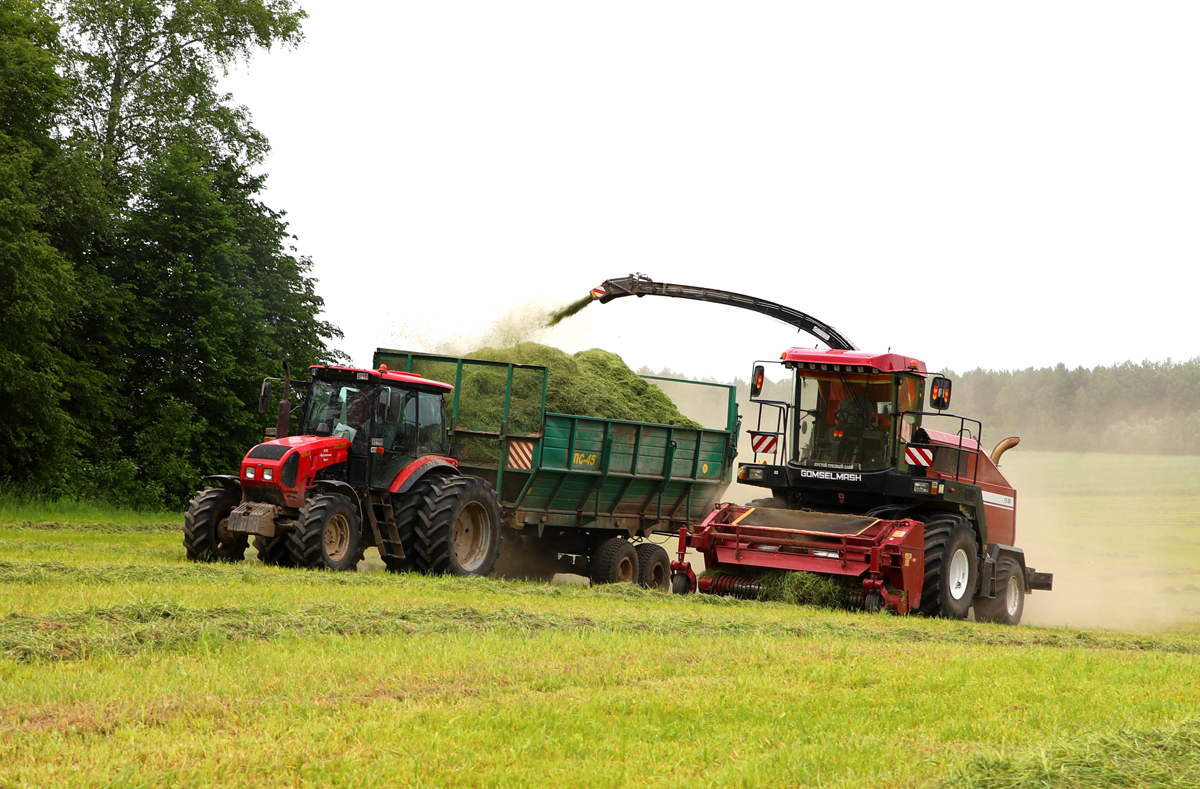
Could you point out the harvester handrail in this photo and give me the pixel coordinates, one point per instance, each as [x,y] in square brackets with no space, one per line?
[960,449]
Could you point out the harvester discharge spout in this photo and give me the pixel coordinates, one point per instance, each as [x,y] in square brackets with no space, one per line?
[640,285]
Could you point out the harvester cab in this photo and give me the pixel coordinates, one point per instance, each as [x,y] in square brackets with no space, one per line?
[371,451]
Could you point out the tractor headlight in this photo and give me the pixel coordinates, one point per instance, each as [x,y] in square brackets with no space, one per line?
[249,472]
[268,474]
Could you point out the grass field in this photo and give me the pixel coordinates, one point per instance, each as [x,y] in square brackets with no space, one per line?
[124,666]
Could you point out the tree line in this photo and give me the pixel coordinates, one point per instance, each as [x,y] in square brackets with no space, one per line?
[146,288]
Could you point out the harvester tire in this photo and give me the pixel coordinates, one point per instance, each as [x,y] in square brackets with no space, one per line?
[205,534]
[654,566]
[327,533]
[951,569]
[681,584]
[274,551]
[614,562]
[407,508]
[457,531]
[1008,605]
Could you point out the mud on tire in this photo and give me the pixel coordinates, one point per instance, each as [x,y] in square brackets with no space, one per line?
[457,530]
[327,534]
[204,534]
[951,569]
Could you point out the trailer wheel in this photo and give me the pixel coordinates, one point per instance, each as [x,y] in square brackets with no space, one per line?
[615,562]
[327,533]
[274,551]
[654,567]
[457,531]
[1008,605]
[406,509]
[951,569]
[206,537]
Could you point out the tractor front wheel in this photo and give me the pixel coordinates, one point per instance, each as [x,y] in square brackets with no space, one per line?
[951,569]
[614,562]
[457,531]
[327,533]
[654,567]
[206,535]
[1008,605]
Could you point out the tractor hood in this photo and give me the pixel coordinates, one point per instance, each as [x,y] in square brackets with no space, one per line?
[288,464]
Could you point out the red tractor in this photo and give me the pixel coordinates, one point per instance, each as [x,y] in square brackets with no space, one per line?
[371,465]
[862,487]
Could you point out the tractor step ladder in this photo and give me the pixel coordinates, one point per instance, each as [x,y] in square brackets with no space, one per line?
[383,523]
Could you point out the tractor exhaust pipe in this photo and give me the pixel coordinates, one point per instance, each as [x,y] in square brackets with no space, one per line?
[1003,447]
[285,408]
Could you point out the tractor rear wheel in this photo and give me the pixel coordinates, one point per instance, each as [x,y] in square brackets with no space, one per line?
[274,551]
[1008,605]
[457,531]
[654,567]
[615,562]
[951,569]
[327,533]
[206,535]
[407,508]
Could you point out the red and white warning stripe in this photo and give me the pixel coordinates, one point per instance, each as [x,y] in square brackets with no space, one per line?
[597,292]
[918,456]
[520,455]
[763,443]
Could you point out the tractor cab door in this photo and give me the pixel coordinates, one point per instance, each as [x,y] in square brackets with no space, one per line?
[419,429]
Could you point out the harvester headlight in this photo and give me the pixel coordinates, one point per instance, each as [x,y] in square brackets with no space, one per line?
[754,473]
[268,474]
[826,554]
[921,486]
[249,472]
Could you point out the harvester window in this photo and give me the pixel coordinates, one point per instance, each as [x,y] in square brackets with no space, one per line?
[851,422]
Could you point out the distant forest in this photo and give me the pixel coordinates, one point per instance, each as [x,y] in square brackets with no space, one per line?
[1151,408]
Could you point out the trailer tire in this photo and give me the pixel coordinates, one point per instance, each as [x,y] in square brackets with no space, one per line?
[654,566]
[457,531]
[327,534]
[205,537]
[951,569]
[1008,605]
[274,551]
[614,562]
[407,508]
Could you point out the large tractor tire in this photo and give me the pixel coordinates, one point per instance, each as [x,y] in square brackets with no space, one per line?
[274,551]
[654,567]
[1008,605]
[457,531]
[206,537]
[327,533]
[615,562]
[406,509]
[951,569]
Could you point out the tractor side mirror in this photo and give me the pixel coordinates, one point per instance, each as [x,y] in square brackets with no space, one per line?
[756,382]
[264,397]
[939,393]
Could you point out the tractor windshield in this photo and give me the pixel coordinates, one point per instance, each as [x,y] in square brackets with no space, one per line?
[844,421]
[339,408]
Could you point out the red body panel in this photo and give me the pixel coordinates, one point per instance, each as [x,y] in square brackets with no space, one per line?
[999,497]
[314,453]
[883,362]
[417,466]
[385,374]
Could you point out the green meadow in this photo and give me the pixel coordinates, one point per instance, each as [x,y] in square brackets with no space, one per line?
[121,665]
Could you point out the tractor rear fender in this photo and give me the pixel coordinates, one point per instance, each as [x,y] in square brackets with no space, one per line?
[342,489]
[227,481]
[413,472]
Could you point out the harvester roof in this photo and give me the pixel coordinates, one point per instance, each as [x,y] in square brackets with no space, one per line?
[825,358]
[384,374]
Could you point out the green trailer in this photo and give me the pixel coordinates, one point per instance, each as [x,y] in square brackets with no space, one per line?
[580,494]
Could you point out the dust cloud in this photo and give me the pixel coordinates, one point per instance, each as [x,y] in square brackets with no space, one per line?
[529,321]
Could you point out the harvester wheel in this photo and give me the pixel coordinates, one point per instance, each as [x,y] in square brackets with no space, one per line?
[654,567]
[951,569]
[457,531]
[1008,605]
[680,584]
[274,551]
[327,533]
[615,562]
[407,508]
[206,537]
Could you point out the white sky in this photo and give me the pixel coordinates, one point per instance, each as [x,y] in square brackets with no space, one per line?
[977,185]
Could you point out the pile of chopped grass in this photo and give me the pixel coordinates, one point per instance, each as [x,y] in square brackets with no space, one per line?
[592,383]
[797,588]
